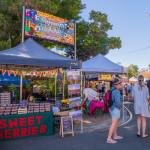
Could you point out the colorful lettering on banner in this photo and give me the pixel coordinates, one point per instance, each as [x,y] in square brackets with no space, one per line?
[3,72]
[31,125]
[15,73]
[9,72]
[49,27]
[36,74]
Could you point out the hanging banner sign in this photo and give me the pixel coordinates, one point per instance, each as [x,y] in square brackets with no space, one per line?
[73,75]
[24,126]
[48,27]
[104,77]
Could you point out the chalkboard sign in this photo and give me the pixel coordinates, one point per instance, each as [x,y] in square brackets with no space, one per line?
[58,103]
[66,126]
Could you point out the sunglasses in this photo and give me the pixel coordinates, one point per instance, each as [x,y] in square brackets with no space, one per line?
[141,80]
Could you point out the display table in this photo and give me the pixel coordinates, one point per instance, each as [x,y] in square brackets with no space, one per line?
[26,125]
[62,113]
[94,105]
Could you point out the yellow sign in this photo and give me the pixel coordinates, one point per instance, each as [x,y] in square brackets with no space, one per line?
[106,77]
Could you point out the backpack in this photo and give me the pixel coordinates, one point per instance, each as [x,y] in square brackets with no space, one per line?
[108,98]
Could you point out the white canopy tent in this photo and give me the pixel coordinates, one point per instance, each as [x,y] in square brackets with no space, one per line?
[101,65]
[133,79]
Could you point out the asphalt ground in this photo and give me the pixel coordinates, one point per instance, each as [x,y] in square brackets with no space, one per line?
[87,141]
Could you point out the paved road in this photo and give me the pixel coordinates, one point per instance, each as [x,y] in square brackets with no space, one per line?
[86,141]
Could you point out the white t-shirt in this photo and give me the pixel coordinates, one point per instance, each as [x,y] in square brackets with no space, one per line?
[99,86]
[105,87]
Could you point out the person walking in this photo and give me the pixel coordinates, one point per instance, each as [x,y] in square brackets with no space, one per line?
[126,90]
[115,112]
[105,85]
[100,87]
[148,85]
[141,95]
[129,88]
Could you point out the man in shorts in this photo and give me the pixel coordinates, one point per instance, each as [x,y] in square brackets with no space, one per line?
[100,87]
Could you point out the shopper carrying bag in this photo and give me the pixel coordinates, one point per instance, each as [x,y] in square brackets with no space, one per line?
[115,109]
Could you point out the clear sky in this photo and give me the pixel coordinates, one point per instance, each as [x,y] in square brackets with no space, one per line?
[131,22]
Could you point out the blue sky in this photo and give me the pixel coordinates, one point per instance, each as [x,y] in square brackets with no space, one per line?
[131,22]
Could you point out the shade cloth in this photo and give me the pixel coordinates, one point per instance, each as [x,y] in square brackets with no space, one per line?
[11,80]
[30,55]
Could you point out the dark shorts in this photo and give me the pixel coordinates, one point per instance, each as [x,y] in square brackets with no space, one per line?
[100,91]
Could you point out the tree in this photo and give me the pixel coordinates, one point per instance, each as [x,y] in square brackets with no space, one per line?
[92,38]
[11,16]
[145,73]
[132,70]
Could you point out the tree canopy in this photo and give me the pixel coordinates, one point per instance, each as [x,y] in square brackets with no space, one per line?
[133,70]
[91,37]
[11,20]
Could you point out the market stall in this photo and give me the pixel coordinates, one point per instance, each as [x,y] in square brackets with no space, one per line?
[30,56]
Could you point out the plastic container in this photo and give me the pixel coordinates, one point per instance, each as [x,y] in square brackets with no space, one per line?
[30,106]
[15,107]
[42,110]
[1,111]
[9,105]
[2,108]
[1,114]
[14,110]
[7,110]
[6,113]
[30,112]
[36,111]
[14,113]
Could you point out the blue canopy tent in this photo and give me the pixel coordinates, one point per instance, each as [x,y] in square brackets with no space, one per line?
[11,80]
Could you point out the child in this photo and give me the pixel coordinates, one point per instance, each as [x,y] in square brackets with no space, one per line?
[30,99]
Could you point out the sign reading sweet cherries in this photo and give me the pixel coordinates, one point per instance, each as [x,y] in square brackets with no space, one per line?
[24,126]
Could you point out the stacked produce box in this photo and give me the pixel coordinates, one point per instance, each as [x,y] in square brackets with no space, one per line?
[38,107]
[5,98]
[10,109]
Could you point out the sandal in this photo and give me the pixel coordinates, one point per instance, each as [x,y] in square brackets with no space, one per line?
[111,142]
[118,138]
[138,135]
[145,136]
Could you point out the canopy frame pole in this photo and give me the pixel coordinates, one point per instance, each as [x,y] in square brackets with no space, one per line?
[84,81]
[55,89]
[123,94]
[22,40]
[21,85]
[81,104]
[64,86]
[23,18]
[75,40]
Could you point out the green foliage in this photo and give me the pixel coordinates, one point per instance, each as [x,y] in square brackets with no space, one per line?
[5,87]
[4,45]
[133,70]
[92,38]
[17,92]
[11,20]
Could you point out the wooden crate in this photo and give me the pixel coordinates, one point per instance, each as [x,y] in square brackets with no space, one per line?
[5,98]
[22,111]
